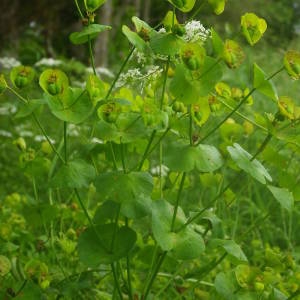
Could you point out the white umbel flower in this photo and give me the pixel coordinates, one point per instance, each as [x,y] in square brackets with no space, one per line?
[195,32]
[9,62]
[48,62]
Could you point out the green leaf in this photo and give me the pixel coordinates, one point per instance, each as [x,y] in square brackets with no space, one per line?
[74,106]
[134,39]
[208,76]
[217,42]
[263,85]
[181,87]
[75,174]
[166,44]
[132,191]
[184,158]
[107,211]
[283,196]
[243,159]
[232,249]
[183,5]
[92,5]
[27,109]
[41,214]
[88,32]
[185,244]
[3,84]
[226,286]
[253,27]
[95,245]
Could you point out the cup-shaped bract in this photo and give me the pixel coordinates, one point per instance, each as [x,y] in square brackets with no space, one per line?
[54,82]
[233,54]
[22,76]
[253,27]
[292,63]
[192,54]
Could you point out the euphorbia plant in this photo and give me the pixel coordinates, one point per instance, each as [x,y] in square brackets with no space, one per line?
[147,149]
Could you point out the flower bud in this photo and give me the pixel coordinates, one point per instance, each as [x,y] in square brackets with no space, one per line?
[20,143]
[178,107]
[22,76]
[233,54]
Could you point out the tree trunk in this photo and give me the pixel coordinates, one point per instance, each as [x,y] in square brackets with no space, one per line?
[101,44]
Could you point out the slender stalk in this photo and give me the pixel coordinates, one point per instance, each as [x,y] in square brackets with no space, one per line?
[227,117]
[164,83]
[158,265]
[236,108]
[177,200]
[113,155]
[191,125]
[123,157]
[243,116]
[92,56]
[116,281]
[17,94]
[145,155]
[119,73]
[46,136]
[128,270]
[65,141]
[78,9]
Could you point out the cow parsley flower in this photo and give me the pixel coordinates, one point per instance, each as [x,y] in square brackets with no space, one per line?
[195,32]
[9,62]
[48,62]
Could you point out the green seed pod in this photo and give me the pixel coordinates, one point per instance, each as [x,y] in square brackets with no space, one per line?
[3,84]
[193,56]
[54,88]
[193,63]
[178,107]
[21,81]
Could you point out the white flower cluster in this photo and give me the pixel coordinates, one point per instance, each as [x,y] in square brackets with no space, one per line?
[132,75]
[195,32]
[101,71]
[48,62]
[9,62]
[155,171]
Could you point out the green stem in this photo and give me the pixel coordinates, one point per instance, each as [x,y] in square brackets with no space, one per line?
[118,74]
[46,136]
[116,281]
[227,117]
[17,94]
[130,294]
[243,116]
[145,155]
[191,125]
[178,200]
[113,155]
[149,286]
[65,141]
[236,108]
[123,157]
[91,56]
[164,83]
[78,9]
